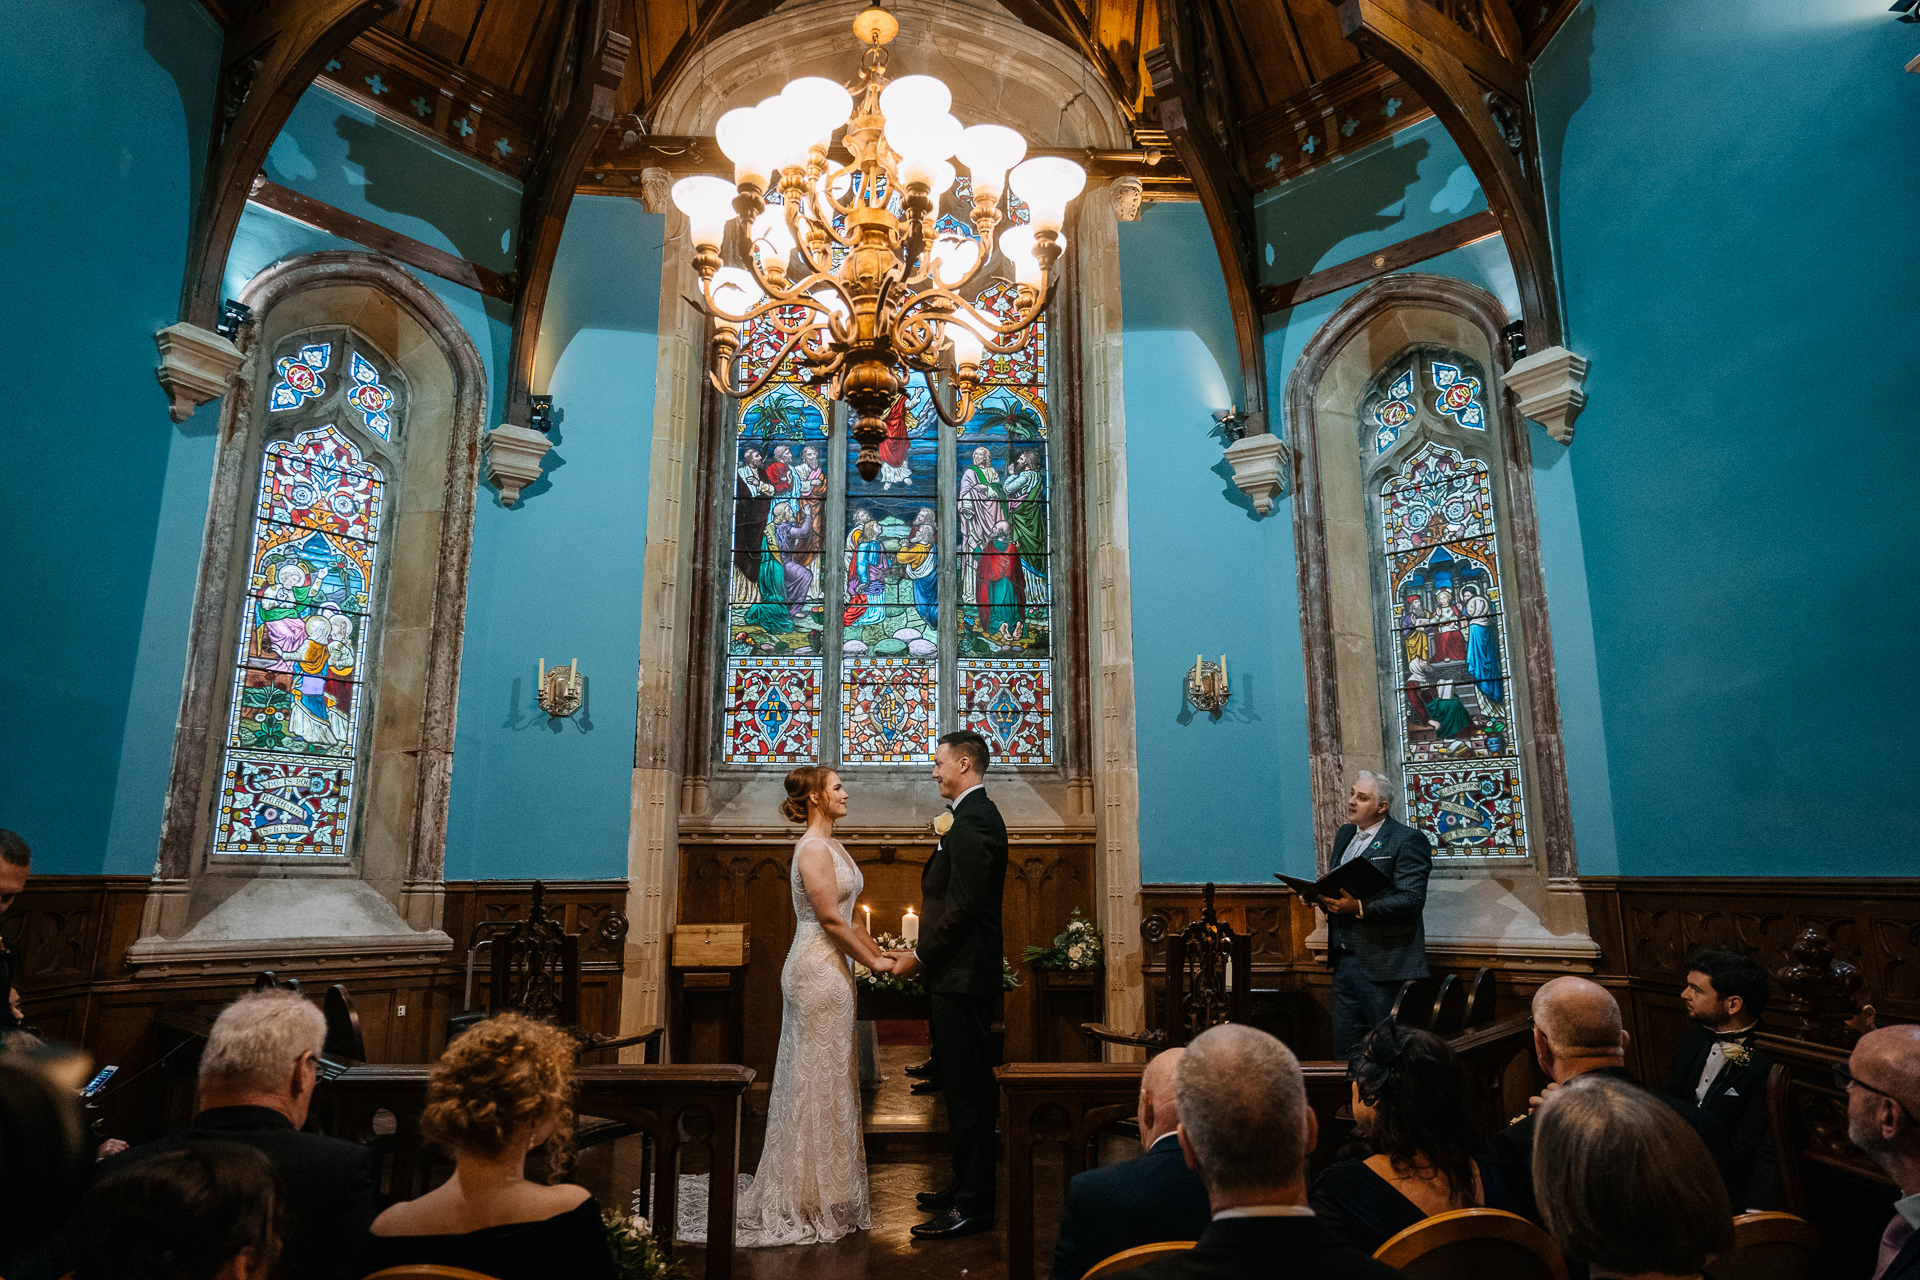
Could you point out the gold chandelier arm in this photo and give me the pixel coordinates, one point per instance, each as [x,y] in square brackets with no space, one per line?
[786,349]
[962,404]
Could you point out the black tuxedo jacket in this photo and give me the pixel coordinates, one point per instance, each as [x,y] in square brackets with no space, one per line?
[1156,1197]
[1906,1263]
[1735,1116]
[961,943]
[1292,1248]
[1389,937]
[326,1185]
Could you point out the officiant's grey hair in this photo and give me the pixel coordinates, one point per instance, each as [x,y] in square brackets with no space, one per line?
[259,1037]
[1381,784]
[1243,1105]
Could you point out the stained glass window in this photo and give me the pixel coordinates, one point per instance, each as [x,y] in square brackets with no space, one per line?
[941,588]
[297,709]
[1451,690]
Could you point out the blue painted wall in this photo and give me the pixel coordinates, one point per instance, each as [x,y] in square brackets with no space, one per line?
[1727,184]
[558,576]
[106,496]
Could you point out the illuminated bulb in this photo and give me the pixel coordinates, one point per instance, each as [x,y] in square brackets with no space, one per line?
[968,347]
[954,259]
[735,291]
[914,98]
[829,297]
[937,174]
[744,137]
[819,104]
[786,135]
[924,139]
[1047,183]
[1017,243]
[988,151]
[772,238]
[708,204]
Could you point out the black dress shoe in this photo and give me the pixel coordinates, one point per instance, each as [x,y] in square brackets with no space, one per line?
[926,1088]
[921,1070]
[951,1225]
[935,1201]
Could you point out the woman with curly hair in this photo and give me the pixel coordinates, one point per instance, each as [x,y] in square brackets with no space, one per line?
[499,1091]
[1409,1102]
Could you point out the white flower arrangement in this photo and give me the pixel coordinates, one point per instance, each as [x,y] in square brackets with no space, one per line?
[1078,947]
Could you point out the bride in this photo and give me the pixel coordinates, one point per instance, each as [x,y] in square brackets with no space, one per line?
[812,1183]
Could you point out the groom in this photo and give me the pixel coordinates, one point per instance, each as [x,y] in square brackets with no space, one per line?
[961,949]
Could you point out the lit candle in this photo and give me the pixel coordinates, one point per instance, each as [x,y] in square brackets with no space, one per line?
[910,927]
[869,911]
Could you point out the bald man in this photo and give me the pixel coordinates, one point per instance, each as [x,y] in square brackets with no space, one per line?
[1156,1197]
[1883,1099]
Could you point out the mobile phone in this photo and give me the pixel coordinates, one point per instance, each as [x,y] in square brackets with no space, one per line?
[99,1082]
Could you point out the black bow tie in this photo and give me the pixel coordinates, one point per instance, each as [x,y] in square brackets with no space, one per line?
[1734,1035]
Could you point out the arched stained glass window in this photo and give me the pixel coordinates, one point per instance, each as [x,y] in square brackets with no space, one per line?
[1449,686]
[934,608]
[296,719]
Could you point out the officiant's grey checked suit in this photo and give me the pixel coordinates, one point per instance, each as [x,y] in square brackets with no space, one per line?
[1386,944]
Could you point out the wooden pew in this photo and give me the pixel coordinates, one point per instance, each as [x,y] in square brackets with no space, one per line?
[678,1107]
[1068,1102]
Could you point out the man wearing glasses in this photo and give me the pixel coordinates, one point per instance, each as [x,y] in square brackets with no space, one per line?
[1882,1081]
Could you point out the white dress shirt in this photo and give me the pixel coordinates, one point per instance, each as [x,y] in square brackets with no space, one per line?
[1264,1211]
[1362,841]
[1716,1061]
[955,802]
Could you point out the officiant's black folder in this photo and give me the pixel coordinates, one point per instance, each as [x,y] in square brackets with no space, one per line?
[1357,876]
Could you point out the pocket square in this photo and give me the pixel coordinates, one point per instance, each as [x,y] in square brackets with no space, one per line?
[1731,1093]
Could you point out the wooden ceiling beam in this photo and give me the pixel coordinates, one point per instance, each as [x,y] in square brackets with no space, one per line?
[1481,100]
[265,65]
[589,66]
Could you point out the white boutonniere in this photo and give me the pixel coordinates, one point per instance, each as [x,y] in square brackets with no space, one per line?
[1736,1052]
[943,823]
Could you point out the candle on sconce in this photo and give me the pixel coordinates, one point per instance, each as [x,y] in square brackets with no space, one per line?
[1223,669]
[910,927]
[869,911]
[543,671]
[1196,670]
[573,670]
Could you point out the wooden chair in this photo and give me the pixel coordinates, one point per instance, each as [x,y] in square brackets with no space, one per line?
[1413,1007]
[536,971]
[1126,1259]
[1471,1244]
[427,1271]
[1768,1246]
[1209,981]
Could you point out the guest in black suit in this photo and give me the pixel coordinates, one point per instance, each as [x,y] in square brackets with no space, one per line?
[1625,1185]
[1719,1073]
[962,950]
[16,863]
[1245,1126]
[257,1075]
[203,1210]
[1408,1102]
[1156,1197]
[1882,1079]
[1376,945]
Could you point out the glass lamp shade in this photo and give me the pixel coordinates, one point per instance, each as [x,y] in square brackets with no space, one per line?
[937,174]
[772,238]
[968,348]
[988,151]
[735,291]
[1017,243]
[819,105]
[1047,183]
[829,297]
[926,138]
[953,259]
[787,132]
[708,204]
[915,98]
[745,139]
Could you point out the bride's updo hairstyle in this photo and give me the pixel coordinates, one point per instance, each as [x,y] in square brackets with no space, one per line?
[806,784]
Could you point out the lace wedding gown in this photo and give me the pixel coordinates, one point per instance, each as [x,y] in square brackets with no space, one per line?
[812,1184]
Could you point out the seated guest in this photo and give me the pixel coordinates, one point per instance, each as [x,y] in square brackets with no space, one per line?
[203,1210]
[1719,1074]
[257,1074]
[1246,1128]
[1625,1184]
[500,1090]
[1409,1103]
[1156,1197]
[1882,1079]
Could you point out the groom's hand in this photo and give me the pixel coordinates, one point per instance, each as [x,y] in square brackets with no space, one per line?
[905,964]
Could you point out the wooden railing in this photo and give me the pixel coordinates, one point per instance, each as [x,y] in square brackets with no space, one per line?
[678,1107]
[1066,1103]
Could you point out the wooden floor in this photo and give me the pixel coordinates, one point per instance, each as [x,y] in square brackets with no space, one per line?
[906,1154]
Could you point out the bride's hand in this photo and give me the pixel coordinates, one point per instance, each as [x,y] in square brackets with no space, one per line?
[884,964]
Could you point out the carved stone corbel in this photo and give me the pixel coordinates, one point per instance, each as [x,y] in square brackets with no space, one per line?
[195,364]
[1260,466]
[514,456]
[1550,388]
[1127,192]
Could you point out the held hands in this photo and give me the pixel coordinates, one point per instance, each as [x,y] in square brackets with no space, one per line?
[905,964]
[884,963]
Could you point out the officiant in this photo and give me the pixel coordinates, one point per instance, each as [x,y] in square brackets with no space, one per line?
[1377,943]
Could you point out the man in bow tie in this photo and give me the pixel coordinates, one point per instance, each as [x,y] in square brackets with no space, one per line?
[1883,1098]
[962,948]
[1721,1074]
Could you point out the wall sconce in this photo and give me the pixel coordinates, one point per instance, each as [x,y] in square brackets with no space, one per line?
[232,316]
[1207,684]
[540,414]
[560,688]
[1229,424]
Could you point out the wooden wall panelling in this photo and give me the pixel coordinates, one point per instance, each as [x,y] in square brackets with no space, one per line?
[73,933]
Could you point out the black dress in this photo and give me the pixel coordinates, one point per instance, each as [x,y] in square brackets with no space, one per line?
[1366,1211]
[571,1244]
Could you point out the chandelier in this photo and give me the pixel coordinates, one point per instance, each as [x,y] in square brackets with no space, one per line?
[844,269]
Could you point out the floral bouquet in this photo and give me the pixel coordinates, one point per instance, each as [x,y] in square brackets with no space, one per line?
[637,1251]
[913,986]
[1077,947]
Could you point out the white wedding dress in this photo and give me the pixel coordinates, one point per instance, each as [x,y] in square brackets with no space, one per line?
[812,1183]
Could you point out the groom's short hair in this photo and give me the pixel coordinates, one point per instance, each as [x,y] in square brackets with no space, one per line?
[968,745]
